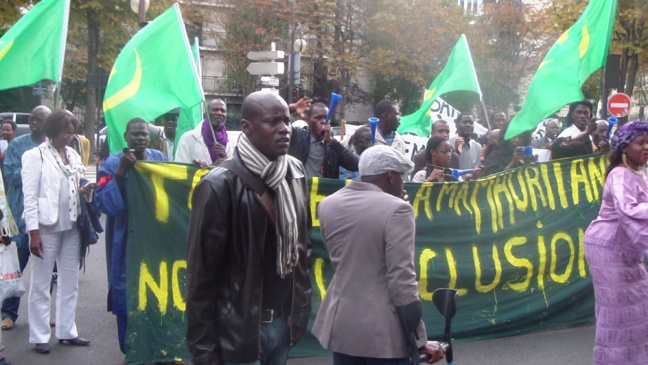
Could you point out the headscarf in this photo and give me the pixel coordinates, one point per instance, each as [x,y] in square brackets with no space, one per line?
[627,133]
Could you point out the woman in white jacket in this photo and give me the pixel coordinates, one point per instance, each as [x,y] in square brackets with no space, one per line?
[51,174]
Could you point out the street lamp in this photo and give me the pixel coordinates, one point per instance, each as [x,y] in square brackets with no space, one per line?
[297,46]
[140,7]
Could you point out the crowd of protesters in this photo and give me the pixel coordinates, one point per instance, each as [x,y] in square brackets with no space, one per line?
[250,306]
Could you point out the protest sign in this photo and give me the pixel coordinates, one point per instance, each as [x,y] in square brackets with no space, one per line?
[511,244]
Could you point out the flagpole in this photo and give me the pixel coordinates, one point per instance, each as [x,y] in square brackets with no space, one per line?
[485,113]
[604,91]
[481,97]
[57,94]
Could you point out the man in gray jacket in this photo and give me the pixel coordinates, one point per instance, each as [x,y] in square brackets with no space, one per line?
[368,231]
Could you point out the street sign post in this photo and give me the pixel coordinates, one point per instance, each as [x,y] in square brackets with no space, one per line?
[270,81]
[619,105]
[265,55]
[266,68]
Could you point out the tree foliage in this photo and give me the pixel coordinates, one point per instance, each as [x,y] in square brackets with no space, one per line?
[251,26]
[10,13]
[508,42]
[409,44]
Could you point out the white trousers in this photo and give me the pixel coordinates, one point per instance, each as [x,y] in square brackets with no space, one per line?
[62,248]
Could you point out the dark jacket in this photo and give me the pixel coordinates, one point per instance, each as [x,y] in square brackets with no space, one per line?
[497,160]
[581,148]
[335,154]
[224,259]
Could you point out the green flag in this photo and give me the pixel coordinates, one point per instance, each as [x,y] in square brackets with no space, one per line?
[580,51]
[34,48]
[458,74]
[154,73]
[190,117]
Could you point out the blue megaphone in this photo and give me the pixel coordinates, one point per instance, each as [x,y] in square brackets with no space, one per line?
[334,100]
[528,151]
[373,123]
[612,121]
[456,174]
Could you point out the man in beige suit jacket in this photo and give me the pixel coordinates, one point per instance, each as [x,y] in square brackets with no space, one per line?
[369,234]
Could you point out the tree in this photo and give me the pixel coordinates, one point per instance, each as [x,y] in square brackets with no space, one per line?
[409,43]
[631,36]
[336,28]
[249,25]
[10,13]
[508,41]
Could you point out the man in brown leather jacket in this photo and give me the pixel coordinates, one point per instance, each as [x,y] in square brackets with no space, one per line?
[248,290]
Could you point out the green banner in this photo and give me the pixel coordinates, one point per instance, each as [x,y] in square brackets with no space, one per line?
[510,243]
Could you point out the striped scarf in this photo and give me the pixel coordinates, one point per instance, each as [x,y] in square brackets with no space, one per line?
[273,173]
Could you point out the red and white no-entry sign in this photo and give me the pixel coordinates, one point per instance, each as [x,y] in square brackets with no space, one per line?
[619,105]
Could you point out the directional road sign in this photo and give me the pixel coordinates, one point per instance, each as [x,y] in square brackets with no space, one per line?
[265,55]
[269,81]
[266,68]
[619,105]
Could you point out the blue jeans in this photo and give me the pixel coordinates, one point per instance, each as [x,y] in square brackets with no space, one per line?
[275,342]
[10,305]
[342,359]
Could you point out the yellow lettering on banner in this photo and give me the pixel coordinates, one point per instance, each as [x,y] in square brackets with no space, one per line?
[579,176]
[423,195]
[547,183]
[452,270]
[159,173]
[535,189]
[446,188]
[542,265]
[462,196]
[475,205]
[315,199]
[196,179]
[491,202]
[582,271]
[518,262]
[318,270]
[500,188]
[426,256]
[596,175]
[560,184]
[178,299]
[161,291]
[478,271]
[523,203]
[562,278]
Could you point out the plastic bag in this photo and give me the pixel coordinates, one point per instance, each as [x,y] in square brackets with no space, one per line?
[11,283]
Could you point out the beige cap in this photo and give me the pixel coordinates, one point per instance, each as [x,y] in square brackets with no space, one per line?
[380,159]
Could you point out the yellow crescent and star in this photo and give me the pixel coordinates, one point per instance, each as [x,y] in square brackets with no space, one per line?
[127,91]
[583,45]
[5,49]
[427,96]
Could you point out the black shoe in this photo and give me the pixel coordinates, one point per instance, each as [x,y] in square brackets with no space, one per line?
[77,341]
[4,361]
[42,348]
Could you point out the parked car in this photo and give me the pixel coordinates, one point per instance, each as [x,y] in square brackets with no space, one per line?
[21,119]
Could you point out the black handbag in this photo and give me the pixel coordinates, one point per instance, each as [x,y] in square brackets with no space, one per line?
[89,226]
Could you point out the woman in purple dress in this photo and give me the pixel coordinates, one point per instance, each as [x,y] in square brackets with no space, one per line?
[615,247]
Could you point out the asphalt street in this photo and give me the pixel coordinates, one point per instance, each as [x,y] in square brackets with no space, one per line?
[571,345]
